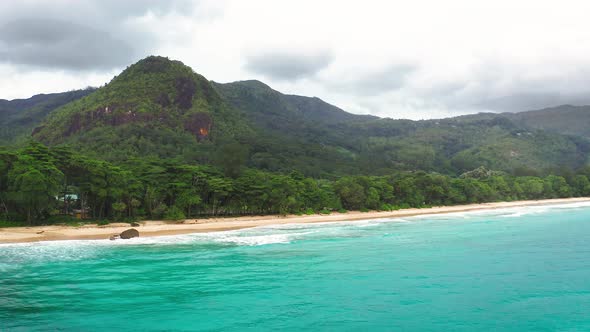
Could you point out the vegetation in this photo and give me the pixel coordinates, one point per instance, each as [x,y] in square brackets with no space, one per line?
[565,119]
[159,108]
[39,184]
[19,117]
[160,141]
[321,140]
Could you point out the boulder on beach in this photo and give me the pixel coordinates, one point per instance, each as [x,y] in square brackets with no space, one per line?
[130,233]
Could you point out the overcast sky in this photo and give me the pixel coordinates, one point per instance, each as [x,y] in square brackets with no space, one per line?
[400,59]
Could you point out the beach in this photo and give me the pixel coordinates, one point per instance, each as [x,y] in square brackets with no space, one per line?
[161,228]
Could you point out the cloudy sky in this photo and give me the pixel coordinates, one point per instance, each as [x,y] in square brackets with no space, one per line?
[401,59]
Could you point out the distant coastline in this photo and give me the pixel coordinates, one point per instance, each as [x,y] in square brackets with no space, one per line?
[161,228]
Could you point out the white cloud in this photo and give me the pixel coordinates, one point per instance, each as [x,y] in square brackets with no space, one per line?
[288,65]
[416,59]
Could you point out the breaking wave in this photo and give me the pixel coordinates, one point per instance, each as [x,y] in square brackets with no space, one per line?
[257,236]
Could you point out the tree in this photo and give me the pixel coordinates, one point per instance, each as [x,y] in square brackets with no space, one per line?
[372,201]
[231,158]
[187,199]
[119,208]
[532,187]
[581,185]
[556,186]
[351,193]
[33,186]
[218,189]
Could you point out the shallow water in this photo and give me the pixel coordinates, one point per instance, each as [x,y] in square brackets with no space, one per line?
[519,269]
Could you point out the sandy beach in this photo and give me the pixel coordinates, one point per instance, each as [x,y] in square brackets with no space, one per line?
[160,228]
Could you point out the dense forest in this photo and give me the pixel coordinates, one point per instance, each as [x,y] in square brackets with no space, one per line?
[162,142]
[41,185]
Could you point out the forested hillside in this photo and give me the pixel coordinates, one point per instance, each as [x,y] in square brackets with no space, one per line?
[345,143]
[565,119]
[154,108]
[160,108]
[161,141]
[18,117]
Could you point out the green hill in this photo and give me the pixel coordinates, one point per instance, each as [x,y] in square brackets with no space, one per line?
[158,108]
[18,117]
[295,132]
[371,145]
[564,119]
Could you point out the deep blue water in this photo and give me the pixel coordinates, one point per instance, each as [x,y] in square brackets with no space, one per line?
[521,269]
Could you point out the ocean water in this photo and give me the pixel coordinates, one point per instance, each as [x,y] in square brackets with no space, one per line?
[519,269]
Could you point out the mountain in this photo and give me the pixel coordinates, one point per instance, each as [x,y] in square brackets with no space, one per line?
[295,132]
[376,146]
[18,117]
[564,119]
[159,108]
[267,106]
[156,107]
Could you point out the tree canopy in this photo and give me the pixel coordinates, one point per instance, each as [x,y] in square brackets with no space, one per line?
[37,185]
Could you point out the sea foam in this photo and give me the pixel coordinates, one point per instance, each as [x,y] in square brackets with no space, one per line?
[257,236]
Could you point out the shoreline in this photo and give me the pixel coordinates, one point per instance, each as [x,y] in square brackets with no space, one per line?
[161,228]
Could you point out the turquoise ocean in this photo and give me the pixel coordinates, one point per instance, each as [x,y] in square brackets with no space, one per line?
[517,269]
